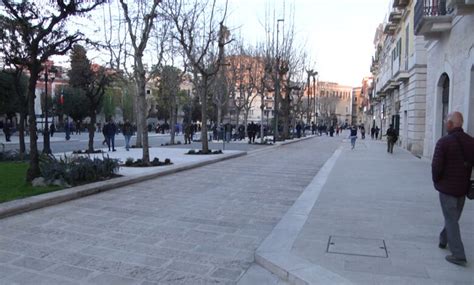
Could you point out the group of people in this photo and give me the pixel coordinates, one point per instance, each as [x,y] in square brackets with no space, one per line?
[391,134]
[322,128]
[110,129]
[228,132]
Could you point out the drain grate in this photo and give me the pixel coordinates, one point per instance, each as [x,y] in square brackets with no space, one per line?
[357,246]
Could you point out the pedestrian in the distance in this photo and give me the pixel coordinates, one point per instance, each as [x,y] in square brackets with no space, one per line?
[188,133]
[7,130]
[353,136]
[451,171]
[391,138]
[127,131]
[250,132]
[298,130]
[52,129]
[110,129]
[67,130]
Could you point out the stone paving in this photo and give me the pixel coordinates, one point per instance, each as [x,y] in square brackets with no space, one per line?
[196,227]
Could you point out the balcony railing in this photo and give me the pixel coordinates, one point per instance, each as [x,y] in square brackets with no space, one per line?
[430,16]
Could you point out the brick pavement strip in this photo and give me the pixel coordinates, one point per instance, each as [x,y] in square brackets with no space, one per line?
[201,226]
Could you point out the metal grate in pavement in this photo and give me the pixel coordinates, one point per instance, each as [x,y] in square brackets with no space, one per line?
[357,246]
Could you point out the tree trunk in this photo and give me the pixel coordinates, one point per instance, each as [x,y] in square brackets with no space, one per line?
[287,123]
[138,118]
[91,130]
[262,107]
[204,140]
[238,117]
[21,133]
[246,118]
[219,113]
[172,120]
[33,170]
[142,111]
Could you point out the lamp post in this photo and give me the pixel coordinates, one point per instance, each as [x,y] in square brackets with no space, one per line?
[46,141]
[309,109]
[315,93]
[277,83]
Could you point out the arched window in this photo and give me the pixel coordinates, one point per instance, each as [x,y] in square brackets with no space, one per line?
[444,85]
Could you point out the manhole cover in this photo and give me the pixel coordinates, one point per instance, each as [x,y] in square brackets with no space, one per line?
[357,246]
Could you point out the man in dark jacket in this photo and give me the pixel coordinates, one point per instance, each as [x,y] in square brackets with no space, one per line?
[391,138]
[110,129]
[451,171]
[127,131]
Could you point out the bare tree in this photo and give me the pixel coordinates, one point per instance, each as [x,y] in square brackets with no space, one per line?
[30,34]
[202,38]
[265,86]
[140,25]
[221,91]
[235,74]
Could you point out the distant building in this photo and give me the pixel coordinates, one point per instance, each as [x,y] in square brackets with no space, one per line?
[356,100]
[334,103]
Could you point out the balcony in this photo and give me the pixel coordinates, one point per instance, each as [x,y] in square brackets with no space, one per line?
[390,28]
[400,3]
[432,18]
[395,16]
[400,71]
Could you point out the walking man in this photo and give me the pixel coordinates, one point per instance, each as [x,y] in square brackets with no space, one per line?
[451,171]
[127,133]
[110,130]
[353,136]
[391,138]
[7,130]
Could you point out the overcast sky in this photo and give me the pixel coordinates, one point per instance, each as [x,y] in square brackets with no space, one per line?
[338,33]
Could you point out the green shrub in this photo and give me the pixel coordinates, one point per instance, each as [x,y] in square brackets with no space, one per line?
[139,163]
[192,151]
[77,170]
[129,161]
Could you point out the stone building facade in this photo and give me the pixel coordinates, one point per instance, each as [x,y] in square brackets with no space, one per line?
[449,32]
[398,94]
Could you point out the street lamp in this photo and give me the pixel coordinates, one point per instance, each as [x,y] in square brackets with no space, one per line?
[46,141]
[315,92]
[277,83]
[310,73]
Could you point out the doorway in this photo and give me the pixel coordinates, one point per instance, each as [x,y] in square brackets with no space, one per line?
[444,84]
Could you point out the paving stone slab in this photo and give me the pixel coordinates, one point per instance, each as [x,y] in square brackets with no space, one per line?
[163,226]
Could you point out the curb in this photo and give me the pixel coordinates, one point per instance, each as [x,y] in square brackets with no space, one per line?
[279,144]
[52,198]
[274,254]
